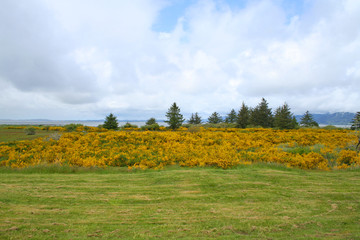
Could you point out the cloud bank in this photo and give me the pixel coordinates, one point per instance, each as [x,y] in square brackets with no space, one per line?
[82,59]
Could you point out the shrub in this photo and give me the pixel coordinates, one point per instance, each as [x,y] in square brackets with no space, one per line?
[151,121]
[45,128]
[152,127]
[219,125]
[348,157]
[195,128]
[129,125]
[331,127]
[72,127]
[30,131]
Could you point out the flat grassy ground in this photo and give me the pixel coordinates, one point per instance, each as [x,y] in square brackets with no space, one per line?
[9,135]
[250,202]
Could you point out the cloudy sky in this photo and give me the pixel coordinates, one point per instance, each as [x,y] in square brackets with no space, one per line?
[82,59]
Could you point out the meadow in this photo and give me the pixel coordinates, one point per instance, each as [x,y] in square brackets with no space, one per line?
[259,201]
[185,184]
[17,133]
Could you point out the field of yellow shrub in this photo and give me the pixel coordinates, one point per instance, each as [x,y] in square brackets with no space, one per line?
[224,148]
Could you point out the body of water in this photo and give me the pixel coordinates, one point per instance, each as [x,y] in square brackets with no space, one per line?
[90,123]
[94,123]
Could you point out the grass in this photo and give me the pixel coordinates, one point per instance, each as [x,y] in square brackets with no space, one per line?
[10,135]
[249,202]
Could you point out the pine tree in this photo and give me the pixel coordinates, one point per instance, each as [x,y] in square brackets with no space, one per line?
[215,118]
[243,117]
[261,115]
[111,122]
[355,123]
[231,117]
[307,120]
[195,119]
[175,119]
[283,118]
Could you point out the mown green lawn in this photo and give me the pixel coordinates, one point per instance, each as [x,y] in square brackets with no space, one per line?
[250,202]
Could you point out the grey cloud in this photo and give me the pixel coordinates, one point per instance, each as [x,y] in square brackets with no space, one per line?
[34,53]
[92,58]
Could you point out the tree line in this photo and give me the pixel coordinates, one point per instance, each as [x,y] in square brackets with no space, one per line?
[259,116]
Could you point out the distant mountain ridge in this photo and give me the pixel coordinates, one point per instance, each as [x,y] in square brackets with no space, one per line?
[338,118]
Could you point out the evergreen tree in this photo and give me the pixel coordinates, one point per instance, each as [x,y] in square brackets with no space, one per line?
[111,122]
[261,115]
[243,117]
[307,120]
[295,122]
[283,118]
[175,119]
[195,119]
[355,124]
[215,118]
[231,117]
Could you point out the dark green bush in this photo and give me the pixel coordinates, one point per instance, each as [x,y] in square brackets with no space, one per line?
[72,127]
[152,127]
[129,125]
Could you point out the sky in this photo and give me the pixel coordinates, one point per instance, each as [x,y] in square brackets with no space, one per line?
[84,59]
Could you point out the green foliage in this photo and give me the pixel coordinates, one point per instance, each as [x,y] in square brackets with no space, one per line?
[331,127]
[151,127]
[195,119]
[175,118]
[194,128]
[111,122]
[151,121]
[261,115]
[129,125]
[231,117]
[355,123]
[283,118]
[302,149]
[243,117]
[30,131]
[219,125]
[307,120]
[71,127]
[10,135]
[215,118]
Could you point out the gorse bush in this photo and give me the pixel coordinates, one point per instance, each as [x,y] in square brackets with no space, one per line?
[219,147]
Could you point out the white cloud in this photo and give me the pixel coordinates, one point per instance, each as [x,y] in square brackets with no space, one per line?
[85,58]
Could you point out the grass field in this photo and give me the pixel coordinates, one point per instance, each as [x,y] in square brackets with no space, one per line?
[9,135]
[249,202]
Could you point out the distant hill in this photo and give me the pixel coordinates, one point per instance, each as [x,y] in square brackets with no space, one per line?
[338,118]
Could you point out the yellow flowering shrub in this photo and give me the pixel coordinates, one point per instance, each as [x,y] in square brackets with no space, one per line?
[224,148]
[348,158]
